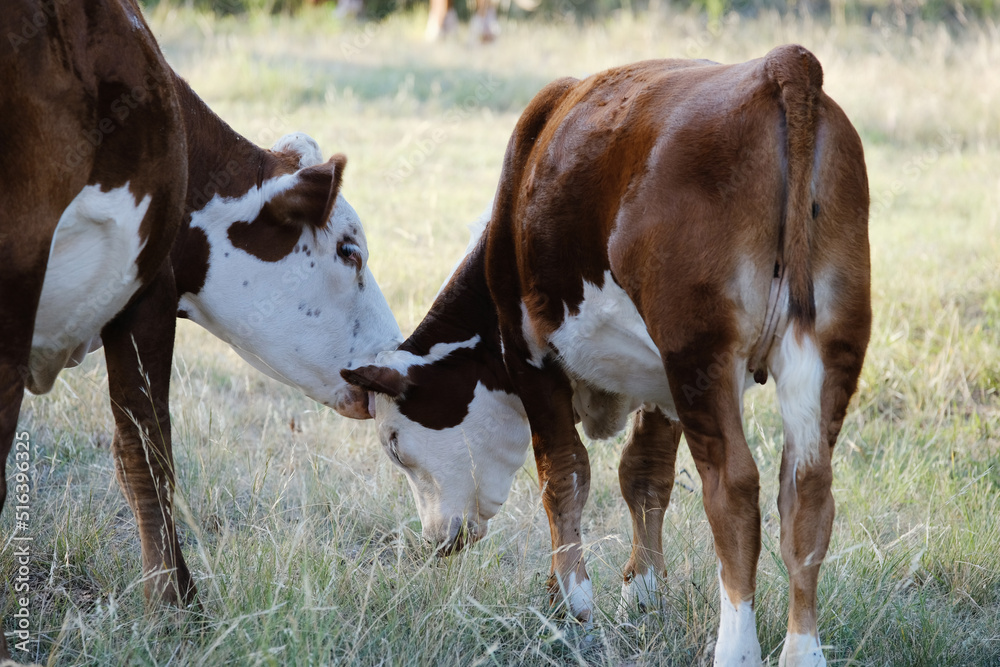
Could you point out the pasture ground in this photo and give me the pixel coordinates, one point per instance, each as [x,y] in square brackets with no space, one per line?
[304,540]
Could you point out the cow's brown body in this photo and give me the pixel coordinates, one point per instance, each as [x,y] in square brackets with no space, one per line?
[91,111]
[728,205]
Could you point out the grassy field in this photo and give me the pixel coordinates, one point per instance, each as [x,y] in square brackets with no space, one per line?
[303,539]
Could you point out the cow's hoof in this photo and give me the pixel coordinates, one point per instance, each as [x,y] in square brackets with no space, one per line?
[801,651]
[576,597]
[638,594]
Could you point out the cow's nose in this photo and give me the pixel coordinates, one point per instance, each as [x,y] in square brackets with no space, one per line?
[459,534]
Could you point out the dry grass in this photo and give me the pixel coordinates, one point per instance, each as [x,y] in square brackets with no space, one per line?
[304,540]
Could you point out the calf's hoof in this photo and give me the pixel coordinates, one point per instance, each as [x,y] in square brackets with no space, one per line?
[801,651]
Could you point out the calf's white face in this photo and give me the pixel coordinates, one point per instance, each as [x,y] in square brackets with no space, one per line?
[288,284]
[458,441]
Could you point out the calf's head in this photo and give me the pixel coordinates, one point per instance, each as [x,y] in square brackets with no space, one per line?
[285,278]
[448,419]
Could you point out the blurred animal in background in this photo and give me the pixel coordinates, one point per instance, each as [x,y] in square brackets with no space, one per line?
[443,17]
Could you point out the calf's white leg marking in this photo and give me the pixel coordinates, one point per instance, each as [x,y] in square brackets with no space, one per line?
[798,369]
[799,373]
[579,597]
[737,643]
[801,651]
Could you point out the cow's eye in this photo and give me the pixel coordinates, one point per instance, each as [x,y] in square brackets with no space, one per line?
[350,253]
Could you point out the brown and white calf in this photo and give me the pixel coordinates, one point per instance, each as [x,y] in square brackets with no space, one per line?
[126,202]
[663,233]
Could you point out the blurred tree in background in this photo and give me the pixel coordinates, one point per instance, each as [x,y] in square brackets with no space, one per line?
[897,11]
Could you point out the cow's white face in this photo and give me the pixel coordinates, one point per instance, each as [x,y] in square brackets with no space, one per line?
[288,284]
[458,441]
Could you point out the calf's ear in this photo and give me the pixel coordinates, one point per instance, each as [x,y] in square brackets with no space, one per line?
[379,379]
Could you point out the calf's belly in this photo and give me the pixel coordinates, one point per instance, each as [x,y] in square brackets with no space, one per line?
[92,273]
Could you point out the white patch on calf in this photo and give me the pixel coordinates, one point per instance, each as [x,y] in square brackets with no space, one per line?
[606,345]
[91,275]
[798,370]
[402,361]
[737,643]
[465,471]
[302,145]
[801,651]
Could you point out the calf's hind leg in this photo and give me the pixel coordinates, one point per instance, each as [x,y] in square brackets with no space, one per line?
[646,476]
[814,388]
[730,484]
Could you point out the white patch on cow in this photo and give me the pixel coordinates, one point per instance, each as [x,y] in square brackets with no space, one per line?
[302,145]
[465,471]
[737,643]
[402,361]
[579,596]
[798,369]
[749,289]
[302,318]
[639,593]
[91,275]
[801,651]
[606,345]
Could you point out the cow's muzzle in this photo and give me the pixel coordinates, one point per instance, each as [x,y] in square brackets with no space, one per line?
[460,534]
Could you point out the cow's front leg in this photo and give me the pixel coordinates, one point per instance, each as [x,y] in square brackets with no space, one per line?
[564,477]
[646,476]
[139,347]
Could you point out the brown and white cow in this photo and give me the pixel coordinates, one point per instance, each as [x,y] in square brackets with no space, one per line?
[663,233]
[125,202]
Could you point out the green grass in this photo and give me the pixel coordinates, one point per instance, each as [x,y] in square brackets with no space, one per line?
[305,542]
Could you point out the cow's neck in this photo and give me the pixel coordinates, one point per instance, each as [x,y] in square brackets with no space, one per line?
[220,160]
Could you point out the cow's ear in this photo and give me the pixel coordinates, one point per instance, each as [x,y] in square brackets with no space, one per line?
[337,163]
[311,200]
[380,379]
